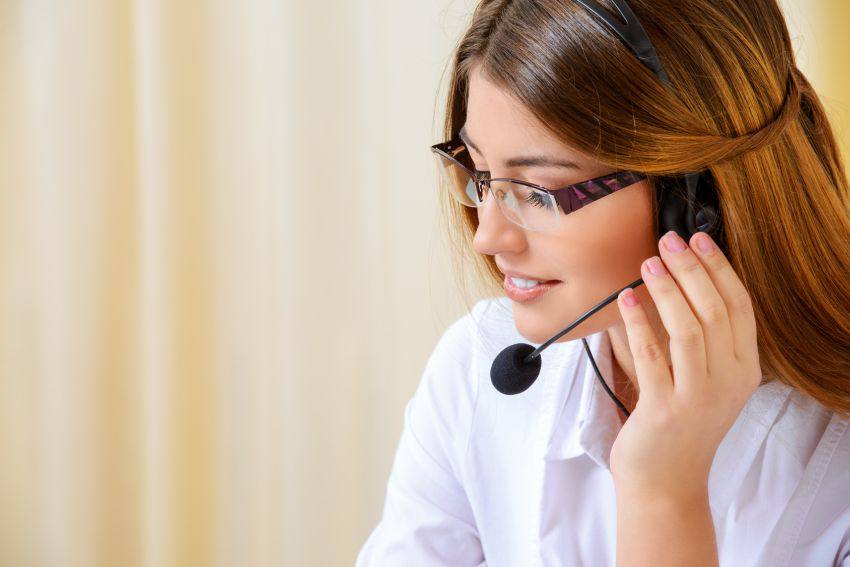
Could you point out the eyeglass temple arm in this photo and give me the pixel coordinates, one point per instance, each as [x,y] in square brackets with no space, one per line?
[569,199]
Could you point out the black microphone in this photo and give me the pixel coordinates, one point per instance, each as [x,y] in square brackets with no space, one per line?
[516,368]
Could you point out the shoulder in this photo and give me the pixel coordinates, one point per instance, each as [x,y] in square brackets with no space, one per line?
[784,466]
[799,428]
[817,519]
[451,370]
[787,426]
[815,527]
[466,342]
[442,409]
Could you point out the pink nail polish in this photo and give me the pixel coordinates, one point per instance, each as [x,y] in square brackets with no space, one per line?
[656,266]
[705,243]
[629,298]
[673,242]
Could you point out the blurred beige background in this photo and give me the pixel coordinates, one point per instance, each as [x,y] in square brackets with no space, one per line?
[223,268]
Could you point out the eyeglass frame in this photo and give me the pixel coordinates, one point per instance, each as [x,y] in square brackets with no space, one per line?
[567,198]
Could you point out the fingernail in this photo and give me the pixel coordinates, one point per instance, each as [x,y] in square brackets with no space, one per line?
[656,267]
[673,242]
[705,243]
[630,298]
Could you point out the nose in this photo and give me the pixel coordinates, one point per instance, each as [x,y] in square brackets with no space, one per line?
[495,233]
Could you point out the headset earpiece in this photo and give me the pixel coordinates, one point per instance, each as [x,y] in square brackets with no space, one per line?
[688,204]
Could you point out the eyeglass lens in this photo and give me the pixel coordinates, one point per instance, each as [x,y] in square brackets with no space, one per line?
[528,207]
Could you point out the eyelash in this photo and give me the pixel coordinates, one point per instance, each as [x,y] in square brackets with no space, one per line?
[479,174]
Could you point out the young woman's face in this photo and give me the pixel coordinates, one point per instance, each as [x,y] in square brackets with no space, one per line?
[595,251]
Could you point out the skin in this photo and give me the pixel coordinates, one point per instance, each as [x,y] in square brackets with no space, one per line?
[685,356]
[594,251]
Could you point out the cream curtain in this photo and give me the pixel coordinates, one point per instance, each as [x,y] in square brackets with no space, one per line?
[222,269]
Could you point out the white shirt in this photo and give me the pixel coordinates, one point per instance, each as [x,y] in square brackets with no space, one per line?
[481,478]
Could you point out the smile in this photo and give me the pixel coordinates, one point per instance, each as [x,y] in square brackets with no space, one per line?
[525,291]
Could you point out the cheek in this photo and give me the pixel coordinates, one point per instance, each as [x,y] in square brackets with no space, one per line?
[605,242]
[626,231]
[594,255]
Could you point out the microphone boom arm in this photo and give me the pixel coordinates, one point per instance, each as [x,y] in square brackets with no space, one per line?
[600,305]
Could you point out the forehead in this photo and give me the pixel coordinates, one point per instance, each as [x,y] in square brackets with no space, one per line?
[489,105]
[500,124]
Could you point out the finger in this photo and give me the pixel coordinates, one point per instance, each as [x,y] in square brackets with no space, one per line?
[653,374]
[703,298]
[687,343]
[730,287]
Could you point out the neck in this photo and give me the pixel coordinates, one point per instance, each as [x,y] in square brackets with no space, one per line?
[624,387]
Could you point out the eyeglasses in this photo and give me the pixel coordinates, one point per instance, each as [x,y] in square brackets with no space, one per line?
[531,206]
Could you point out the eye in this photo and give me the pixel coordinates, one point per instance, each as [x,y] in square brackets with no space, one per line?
[535,199]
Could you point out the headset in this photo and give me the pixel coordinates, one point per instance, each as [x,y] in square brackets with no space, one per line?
[686,204]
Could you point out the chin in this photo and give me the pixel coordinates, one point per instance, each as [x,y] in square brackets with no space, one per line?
[538,325]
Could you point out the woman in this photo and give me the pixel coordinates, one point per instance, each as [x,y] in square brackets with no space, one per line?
[731,364]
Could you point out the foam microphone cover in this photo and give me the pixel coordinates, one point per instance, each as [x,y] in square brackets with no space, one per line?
[510,373]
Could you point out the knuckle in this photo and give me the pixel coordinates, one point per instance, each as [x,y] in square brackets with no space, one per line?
[741,300]
[716,262]
[714,314]
[689,337]
[650,352]
[690,266]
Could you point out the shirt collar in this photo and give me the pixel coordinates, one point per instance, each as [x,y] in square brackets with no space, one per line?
[587,421]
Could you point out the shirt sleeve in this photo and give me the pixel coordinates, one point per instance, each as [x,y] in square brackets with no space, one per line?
[427,519]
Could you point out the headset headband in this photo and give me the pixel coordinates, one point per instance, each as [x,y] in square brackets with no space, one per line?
[688,220]
[632,34]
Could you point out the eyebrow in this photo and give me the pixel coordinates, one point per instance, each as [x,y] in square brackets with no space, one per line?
[523,161]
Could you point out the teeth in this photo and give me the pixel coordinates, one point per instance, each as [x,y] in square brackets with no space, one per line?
[525,284]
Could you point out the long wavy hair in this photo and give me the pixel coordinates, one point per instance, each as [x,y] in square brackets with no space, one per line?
[739,107]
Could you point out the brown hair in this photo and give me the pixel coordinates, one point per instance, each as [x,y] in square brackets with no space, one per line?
[738,107]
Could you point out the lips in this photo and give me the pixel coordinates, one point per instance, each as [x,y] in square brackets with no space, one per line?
[515,274]
[526,295]
[539,280]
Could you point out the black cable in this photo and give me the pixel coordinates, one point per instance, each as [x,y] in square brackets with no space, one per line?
[604,385]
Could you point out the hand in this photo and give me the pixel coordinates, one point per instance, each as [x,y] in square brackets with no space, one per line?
[668,443]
